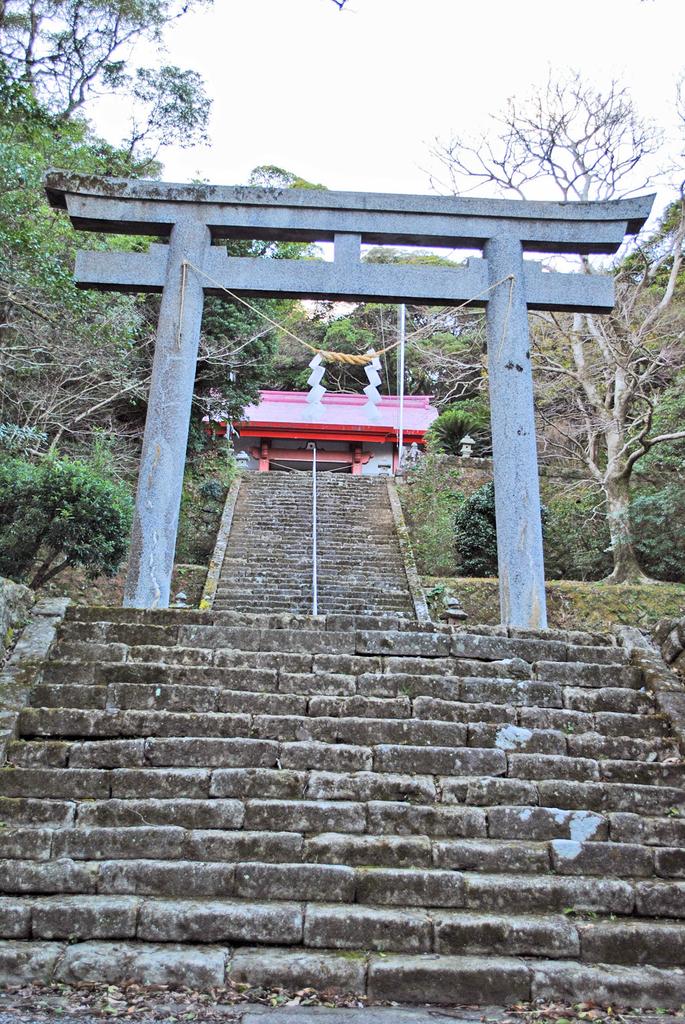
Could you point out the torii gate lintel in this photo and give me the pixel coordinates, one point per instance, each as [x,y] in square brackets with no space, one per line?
[191,217]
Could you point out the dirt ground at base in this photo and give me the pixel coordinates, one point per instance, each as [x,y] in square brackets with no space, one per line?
[44,1004]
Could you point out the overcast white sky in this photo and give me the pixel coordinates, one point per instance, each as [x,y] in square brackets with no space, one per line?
[353,98]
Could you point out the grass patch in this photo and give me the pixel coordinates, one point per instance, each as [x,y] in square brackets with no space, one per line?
[571,604]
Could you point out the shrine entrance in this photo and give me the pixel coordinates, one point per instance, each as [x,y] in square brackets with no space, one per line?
[189,266]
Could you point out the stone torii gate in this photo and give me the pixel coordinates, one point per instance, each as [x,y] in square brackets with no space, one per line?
[188,266]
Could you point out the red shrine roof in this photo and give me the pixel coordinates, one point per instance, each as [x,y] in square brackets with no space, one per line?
[340,417]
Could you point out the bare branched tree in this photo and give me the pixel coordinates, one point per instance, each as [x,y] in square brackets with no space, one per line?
[599,378]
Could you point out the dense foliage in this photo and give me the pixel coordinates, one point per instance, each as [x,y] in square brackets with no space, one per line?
[58,513]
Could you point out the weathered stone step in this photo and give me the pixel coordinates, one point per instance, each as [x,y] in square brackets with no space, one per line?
[172,697]
[92,865]
[322,925]
[391,977]
[111,723]
[134,782]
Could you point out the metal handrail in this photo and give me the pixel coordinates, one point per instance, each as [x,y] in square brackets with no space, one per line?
[315,581]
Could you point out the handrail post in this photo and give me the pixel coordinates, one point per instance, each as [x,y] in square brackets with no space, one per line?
[315,582]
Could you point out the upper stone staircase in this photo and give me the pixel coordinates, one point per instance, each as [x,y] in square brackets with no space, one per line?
[268,561]
[351,803]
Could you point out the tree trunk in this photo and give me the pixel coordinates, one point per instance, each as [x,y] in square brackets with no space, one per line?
[627,568]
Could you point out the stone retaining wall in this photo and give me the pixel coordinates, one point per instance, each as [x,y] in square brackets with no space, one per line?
[670,635]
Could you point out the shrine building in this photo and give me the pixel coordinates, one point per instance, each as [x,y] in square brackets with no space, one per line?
[350,435]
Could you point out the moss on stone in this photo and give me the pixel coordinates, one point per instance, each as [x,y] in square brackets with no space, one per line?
[570,604]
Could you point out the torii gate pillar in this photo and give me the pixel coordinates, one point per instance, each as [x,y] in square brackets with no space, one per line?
[162,462]
[514,450]
[191,217]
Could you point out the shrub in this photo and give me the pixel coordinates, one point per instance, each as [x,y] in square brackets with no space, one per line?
[475,534]
[58,513]
[431,497]
[657,520]
[577,537]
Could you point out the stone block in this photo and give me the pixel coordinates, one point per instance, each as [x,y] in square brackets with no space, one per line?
[546,766]
[242,846]
[31,754]
[129,843]
[85,917]
[190,814]
[439,760]
[411,819]
[194,967]
[401,643]
[306,683]
[23,963]
[236,701]
[390,851]
[50,695]
[339,757]
[329,882]
[15,919]
[538,893]
[295,969]
[539,823]
[59,875]
[305,815]
[660,899]
[606,698]
[361,707]
[257,680]
[347,664]
[135,634]
[570,722]
[377,684]
[359,927]
[592,744]
[491,856]
[210,752]
[177,879]
[435,708]
[659,943]
[642,774]
[370,786]
[445,980]
[636,828]
[216,921]
[624,860]
[569,982]
[108,754]
[612,723]
[54,784]
[517,738]
[466,934]
[489,792]
[25,843]
[164,784]
[410,887]
[491,648]
[517,693]
[259,783]
[669,863]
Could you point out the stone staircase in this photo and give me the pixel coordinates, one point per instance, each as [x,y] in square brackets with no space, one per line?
[268,561]
[403,813]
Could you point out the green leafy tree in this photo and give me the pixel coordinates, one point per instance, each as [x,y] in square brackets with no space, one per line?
[67,51]
[60,513]
[475,533]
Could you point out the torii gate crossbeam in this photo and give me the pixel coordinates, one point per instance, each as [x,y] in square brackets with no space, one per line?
[188,266]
